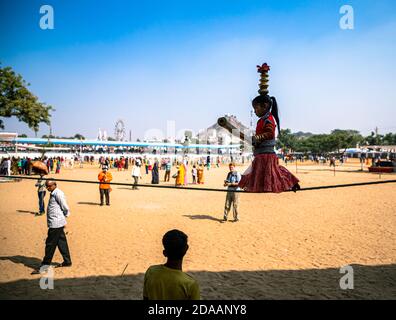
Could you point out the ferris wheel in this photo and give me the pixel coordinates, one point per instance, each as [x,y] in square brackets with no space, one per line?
[119,130]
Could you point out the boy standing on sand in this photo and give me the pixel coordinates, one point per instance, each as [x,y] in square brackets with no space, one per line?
[194,174]
[168,168]
[232,199]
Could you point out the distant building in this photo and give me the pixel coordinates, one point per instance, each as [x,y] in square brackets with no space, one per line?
[8,136]
[216,134]
[381,148]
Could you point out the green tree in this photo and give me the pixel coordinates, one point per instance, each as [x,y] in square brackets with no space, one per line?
[337,140]
[374,139]
[318,143]
[342,139]
[389,139]
[16,100]
[287,140]
[79,136]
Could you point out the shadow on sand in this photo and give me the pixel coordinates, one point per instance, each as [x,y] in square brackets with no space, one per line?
[89,203]
[27,211]
[202,217]
[370,282]
[29,262]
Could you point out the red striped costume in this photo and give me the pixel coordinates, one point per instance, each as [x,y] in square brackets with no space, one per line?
[265,174]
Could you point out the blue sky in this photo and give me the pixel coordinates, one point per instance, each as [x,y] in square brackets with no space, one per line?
[150,62]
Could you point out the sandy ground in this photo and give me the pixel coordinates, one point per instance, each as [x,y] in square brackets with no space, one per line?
[284,246]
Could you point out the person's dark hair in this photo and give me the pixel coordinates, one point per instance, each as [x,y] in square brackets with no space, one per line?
[50,183]
[175,244]
[273,106]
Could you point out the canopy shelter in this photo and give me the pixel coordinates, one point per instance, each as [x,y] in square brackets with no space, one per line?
[75,142]
[8,136]
[24,146]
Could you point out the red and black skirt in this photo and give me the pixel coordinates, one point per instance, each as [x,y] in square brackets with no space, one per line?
[266,175]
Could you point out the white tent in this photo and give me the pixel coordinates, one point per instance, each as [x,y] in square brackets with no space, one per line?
[8,136]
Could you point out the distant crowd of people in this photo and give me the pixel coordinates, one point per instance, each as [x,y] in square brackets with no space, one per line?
[318,159]
[23,166]
[154,166]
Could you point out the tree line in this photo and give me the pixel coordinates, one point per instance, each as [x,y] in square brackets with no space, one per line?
[337,141]
[76,136]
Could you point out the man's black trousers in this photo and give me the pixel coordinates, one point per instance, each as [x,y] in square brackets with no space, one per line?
[56,238]
[106,193]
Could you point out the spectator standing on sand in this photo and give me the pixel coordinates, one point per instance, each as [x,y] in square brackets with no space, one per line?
[58,166]
[136,173]
[8,166]
[176,176]
[104,188]
[332,162]
[168,168]
[232,198]
[180,175]
[168,281]
[185,166]
[155,173]
[194,173]
[19,166]
[40,184]
[200,173]
[57,212]
[146,165]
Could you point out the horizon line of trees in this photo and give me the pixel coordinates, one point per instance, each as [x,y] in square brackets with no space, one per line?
[76,136]
[335,141]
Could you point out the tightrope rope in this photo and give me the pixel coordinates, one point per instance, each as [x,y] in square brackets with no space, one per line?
[337,170]
[201,189]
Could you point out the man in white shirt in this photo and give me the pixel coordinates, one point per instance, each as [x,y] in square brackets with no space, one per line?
[57,212]
[136,173]
[8,167]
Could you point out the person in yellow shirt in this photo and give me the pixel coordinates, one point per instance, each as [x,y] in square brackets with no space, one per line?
[180,175]
[168,281]
[104,188]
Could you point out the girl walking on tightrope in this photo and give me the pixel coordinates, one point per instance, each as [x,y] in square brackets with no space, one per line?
[265,174]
